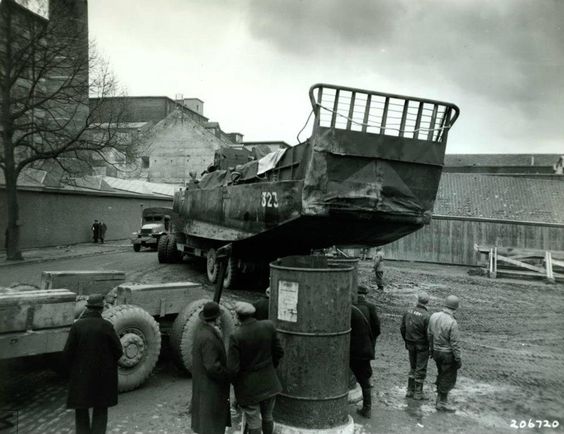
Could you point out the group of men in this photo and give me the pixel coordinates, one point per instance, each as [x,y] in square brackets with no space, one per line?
[249,364]
[98,231]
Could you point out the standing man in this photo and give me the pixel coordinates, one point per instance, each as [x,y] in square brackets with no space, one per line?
[91,353]
[413,329]
[379,267]
[365,328]
[254,353]
[445,349]
[95,231]
[210,379]
[102,229]
[262,306]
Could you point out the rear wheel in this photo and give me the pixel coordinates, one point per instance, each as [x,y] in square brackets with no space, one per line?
[211,265]
[172,253]
[184,327]
[141,342]
[162,249]
[136,247]
[232,274]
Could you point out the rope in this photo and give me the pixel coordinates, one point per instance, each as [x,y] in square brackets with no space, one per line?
[305,125]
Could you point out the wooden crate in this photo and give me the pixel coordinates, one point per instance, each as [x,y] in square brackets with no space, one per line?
[82,282]
[35,310]
[160,299]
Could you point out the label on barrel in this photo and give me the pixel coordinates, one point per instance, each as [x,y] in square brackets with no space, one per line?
[288,301]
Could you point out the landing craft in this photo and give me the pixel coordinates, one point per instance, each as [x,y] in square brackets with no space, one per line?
[367,175]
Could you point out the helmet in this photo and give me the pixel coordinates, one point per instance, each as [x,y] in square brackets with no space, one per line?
[422,297]
[452,302]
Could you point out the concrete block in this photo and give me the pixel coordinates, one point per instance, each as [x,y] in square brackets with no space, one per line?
[82,282]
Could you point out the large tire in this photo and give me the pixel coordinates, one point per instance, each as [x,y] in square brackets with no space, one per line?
[172,254]
[232,274]
[141,341]
[162,249]
[184,326]
[212,269]
[136,247]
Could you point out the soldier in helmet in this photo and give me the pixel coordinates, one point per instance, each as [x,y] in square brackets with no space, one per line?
[413,329]
[445,350]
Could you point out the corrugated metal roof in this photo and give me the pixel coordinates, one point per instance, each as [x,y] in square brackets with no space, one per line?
[454,160]
[141,187]
[501,197]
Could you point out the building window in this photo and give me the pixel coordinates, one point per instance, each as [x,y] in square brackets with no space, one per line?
[145,162]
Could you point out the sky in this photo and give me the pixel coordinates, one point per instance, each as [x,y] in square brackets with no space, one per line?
[252,61]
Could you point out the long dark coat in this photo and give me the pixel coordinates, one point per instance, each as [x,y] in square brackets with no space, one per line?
[210,382]
[254,353]
[91,354]
[365,328]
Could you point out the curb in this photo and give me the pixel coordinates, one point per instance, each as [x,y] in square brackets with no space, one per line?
[6,263]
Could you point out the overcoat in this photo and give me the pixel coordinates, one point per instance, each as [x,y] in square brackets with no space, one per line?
[91,354]
[365,328]
[210,382]
[254,353]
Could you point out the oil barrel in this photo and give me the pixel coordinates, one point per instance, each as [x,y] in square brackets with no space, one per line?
[310,305]
[353,262]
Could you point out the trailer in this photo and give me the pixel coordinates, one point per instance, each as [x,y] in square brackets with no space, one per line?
[367,175]
[37,321]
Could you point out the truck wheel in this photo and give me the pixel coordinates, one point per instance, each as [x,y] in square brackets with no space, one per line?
[141,341]
[232,274]
[184,326]
[172,254]
[211,265]
[136,247]
[162,249]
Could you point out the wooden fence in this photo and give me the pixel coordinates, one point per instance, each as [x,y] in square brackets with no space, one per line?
[451,240]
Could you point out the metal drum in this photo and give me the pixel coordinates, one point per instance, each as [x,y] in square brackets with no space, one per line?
[310,305]
[351,262]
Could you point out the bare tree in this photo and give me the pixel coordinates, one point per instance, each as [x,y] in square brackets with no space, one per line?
[46,77]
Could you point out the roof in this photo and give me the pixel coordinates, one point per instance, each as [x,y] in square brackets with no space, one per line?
[517,198]
[457,160]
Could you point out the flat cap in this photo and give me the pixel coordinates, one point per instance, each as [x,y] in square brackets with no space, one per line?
[244,308]
[95,301]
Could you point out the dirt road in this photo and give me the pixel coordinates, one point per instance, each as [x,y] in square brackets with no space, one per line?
[512,342]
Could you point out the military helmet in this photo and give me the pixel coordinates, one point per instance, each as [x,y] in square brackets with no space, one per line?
[452,302]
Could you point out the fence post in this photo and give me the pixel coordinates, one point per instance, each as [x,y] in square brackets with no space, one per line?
[548,266]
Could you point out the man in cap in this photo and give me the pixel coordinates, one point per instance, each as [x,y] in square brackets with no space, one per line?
[254,353]
[210,378]
[91,352]
[445,350]
[365,328]
[413,329]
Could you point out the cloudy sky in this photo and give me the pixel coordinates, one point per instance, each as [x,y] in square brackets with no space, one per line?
[253,61]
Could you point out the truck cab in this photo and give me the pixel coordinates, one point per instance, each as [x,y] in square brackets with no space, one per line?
[155,223]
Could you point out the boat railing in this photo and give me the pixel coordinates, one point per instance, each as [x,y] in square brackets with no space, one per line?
[371,112]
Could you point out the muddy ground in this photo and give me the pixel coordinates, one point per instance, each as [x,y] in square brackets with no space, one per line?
[512,345]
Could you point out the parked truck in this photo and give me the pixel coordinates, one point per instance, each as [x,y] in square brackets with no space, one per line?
[367,175]
[155,222]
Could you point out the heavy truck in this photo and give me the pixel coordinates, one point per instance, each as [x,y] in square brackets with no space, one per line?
[366,176]
[155,222]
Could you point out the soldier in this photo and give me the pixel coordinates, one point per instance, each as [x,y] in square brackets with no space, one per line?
[254,353]
[102,231]
[445,350]
[95,231]
[365,328]
[379,267]
[413,329]
[91,353]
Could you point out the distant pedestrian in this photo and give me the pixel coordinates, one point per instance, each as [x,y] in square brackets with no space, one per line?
[445,348]
[262,306]
[91,352]
[379,267]
[254,353]
[103,229]
[413,329]
[95,231]
[210,378]
[365,328]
